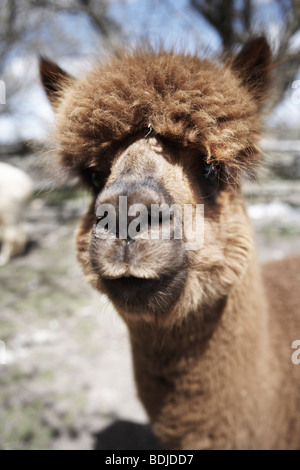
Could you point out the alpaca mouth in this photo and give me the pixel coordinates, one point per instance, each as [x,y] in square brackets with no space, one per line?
[132,282]
[142,295]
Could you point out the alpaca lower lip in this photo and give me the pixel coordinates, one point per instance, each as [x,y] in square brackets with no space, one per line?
[132,282]
[142,295]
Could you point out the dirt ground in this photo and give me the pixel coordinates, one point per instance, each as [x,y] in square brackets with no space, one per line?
[68,381]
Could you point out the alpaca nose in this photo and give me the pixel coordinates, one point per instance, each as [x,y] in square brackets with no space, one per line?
[138,241]
[131,210]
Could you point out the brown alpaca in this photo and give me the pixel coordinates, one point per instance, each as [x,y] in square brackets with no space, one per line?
[211,336]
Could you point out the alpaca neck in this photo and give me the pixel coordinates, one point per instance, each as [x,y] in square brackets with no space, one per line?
[207,364]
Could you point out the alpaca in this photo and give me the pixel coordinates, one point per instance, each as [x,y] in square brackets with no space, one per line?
[210,331]
[16,188]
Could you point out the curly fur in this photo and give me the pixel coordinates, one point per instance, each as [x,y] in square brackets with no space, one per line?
[191,101]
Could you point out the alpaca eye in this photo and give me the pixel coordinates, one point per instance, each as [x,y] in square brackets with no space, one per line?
[96,180]
[93,178]
[211,173]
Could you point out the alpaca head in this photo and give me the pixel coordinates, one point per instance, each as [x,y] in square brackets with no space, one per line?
[151,130]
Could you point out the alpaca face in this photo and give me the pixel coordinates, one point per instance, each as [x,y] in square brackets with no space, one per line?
[140,269]
[158,129]
[146,276]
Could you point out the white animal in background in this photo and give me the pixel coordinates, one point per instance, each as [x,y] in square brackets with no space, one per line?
[16,189]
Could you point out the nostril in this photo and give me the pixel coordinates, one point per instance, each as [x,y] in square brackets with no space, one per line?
[155,219]
[102,221]
[159,218]
[99,218]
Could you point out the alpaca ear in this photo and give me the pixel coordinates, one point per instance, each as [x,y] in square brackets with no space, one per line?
[53,79]
[253,66]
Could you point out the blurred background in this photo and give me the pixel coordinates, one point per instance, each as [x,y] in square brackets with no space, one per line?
[65,371]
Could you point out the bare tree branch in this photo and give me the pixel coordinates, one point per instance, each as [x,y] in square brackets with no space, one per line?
[223,16]
[25,28]
[94,10]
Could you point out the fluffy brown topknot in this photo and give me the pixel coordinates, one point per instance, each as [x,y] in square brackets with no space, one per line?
[193,102]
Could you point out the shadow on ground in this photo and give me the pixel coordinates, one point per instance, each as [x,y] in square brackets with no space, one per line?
[126,435]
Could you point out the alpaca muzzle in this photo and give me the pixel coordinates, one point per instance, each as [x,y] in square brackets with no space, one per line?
[134,249]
